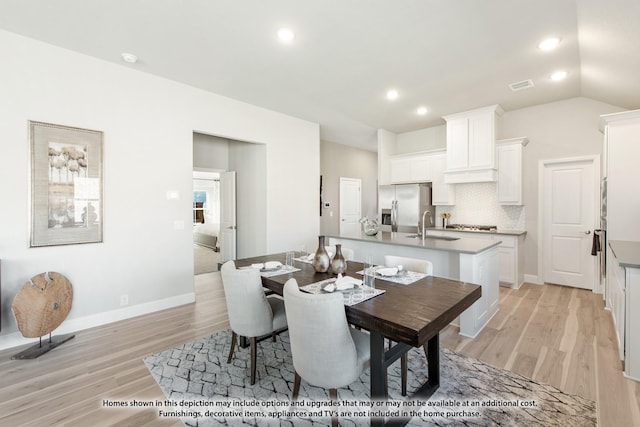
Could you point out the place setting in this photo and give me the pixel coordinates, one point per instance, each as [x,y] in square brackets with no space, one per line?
[396,274]
[275,268]
[352,289]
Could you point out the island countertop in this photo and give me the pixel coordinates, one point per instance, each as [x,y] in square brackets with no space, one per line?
[626,252]
[438,243]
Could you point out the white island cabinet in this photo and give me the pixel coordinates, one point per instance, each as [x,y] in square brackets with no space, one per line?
[510,250]
[623,270]
[464,259]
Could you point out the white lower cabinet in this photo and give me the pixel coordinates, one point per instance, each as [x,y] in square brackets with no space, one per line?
[510,254]
[623,284]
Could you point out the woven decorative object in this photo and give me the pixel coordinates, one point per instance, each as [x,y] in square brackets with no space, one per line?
[42,304]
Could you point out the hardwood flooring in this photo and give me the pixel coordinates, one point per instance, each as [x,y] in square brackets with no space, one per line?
[555,335]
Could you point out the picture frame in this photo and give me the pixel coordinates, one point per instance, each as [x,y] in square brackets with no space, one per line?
[66,185]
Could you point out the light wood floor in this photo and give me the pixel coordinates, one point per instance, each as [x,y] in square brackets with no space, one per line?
[555,335]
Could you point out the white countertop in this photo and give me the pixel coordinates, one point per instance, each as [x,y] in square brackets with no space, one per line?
[627,252]
[461,245]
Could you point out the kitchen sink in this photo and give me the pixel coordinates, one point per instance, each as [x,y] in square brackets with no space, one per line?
[417,236]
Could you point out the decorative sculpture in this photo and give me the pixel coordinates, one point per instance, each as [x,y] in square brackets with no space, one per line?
[40,307]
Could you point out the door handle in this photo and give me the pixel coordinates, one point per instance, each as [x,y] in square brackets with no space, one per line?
[233,227]
[587,232]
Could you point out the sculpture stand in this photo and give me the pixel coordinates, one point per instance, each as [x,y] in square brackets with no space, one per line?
[38,350]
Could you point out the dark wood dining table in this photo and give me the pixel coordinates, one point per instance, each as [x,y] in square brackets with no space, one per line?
[409,315]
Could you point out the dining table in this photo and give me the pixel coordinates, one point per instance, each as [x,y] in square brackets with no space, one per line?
[409,315]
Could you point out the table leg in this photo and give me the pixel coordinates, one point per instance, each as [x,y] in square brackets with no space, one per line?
[433,359]
[378,373]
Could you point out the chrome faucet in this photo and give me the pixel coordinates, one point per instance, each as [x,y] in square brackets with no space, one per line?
[423,233]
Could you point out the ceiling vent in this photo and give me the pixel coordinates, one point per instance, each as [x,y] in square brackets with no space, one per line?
[525,84]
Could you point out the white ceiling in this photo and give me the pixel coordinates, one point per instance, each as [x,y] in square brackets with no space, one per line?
[448,55]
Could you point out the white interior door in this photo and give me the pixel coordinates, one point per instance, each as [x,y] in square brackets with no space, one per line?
[227,216]
[569,195]
[350,206]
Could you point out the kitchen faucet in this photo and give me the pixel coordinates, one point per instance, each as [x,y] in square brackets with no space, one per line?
[423,234]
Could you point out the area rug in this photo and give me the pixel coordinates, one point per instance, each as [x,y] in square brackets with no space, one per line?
[203,390]
[205,260]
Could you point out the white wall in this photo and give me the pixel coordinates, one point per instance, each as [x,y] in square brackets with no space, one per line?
[210,152]
[433,138]
[148,124]
[342,161]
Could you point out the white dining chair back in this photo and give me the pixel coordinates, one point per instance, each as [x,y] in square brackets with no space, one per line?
[409,264]
[347,253]
[251,313]
[326,351]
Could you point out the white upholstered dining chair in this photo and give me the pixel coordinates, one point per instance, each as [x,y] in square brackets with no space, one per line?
[347,253]
[409,264]
[326,351]
[419,266]
[251,313]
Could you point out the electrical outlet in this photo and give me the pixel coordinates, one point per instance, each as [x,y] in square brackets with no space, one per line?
[124,300]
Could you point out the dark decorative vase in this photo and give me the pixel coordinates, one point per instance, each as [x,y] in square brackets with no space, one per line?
[338,264]
[321,258]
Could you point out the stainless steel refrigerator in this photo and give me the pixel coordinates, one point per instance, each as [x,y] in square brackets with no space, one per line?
[400,207]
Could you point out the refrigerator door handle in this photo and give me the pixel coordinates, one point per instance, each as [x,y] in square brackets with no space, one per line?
[394,216]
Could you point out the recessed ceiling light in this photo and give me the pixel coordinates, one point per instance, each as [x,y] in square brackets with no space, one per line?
[421,111]
[549,44]
[130,58]
[286,35]
[559,75]
[392,94]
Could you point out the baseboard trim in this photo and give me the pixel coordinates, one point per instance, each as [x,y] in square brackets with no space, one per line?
[16,339]
[531,278]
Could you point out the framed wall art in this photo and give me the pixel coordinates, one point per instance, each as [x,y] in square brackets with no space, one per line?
[66,185]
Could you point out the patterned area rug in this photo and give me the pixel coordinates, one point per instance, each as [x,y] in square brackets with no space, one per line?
[206,391]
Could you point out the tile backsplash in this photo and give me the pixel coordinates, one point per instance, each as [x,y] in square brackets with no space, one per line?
[477,203]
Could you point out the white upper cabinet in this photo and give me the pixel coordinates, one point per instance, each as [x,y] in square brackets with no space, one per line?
[442,194]
[471,139]
[411,168]
[509,157]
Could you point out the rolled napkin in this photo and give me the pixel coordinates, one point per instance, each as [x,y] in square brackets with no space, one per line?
[347,282]
[270,265]
[387,271]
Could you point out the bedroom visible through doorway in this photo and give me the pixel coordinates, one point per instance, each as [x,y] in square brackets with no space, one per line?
[206,221]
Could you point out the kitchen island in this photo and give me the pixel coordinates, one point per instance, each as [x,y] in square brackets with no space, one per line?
[465,259]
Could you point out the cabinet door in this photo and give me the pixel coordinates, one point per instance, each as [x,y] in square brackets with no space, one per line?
[510,174]
[421,169]
[400,170]
[481,141]
[457,144]
[442,193]
[507,262]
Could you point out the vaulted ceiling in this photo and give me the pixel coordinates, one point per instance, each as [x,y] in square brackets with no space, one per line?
[446,55]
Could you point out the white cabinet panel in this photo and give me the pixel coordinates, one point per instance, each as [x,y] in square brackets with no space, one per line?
[400,170]
[471,139]
[457,144]
[509,156]
[411,168]
[443,194]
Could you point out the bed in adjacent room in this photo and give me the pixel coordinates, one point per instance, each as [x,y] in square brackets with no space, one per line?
[206,235]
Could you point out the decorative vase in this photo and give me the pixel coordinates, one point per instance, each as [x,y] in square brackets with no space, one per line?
[370,227]
[338,263]
[321,258]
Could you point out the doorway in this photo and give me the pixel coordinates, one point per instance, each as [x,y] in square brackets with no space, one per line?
[350,206]
[568,203]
